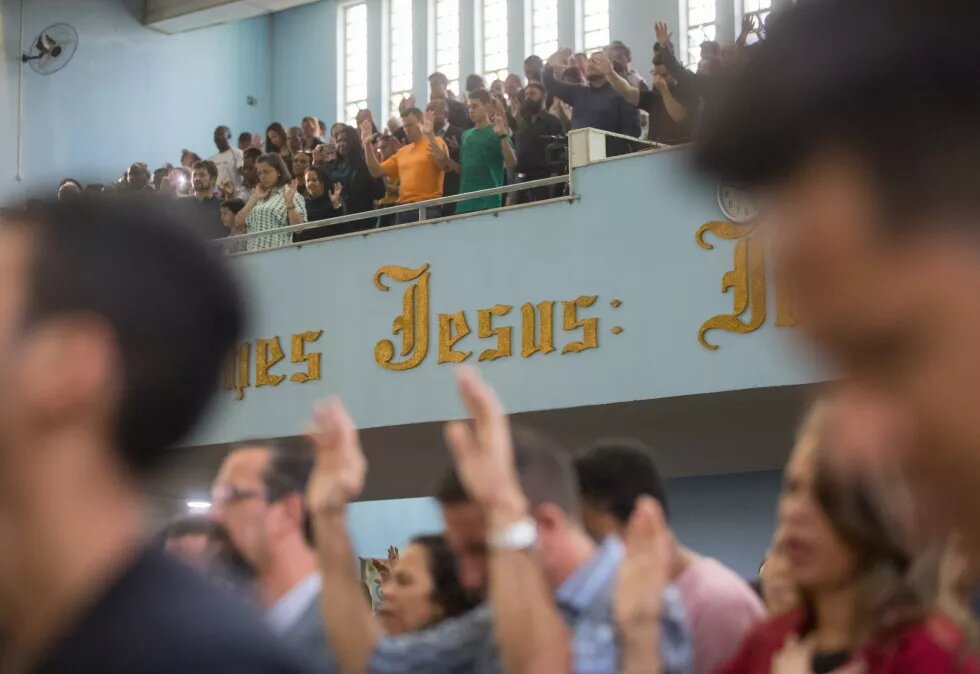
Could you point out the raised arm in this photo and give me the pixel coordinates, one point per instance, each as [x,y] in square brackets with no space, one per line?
[439,151]
[563,90]
[529,631]
[370,158]
[674,108]
[501,128]
[622,87]
[337,479]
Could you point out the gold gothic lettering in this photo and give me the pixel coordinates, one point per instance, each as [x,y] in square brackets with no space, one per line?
[746,280]
[268,352]
[413,324]
[529,345]
[452,328]
[236,370]
[486,330]
[299,355]
[590,326]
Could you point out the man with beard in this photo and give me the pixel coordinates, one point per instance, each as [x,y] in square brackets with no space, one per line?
[869,160]
[595,105]
[452,135]
[536,130]
[205,203]
[258,496]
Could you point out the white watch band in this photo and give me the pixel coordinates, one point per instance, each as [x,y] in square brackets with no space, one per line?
[520,535]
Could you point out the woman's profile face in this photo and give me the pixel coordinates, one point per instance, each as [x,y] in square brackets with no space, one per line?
[778,591]
[817,556]
[408,604]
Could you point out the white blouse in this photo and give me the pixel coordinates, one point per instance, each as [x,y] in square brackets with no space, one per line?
[271,213]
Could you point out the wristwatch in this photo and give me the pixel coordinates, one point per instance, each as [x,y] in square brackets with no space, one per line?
[521,535]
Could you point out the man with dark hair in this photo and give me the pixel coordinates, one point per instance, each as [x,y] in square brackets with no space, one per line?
[534,69]
[258,495]
[452,135]
[595,105]
[204,204]
[137,178]
[114,323]
[871,157]
[415,166]
[511,510]
[244,140]
[474,83]
[720,607]
[484,152]
[536,130]
[228,161]
[439,90]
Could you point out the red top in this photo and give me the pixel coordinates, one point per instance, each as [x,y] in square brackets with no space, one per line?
[933,645]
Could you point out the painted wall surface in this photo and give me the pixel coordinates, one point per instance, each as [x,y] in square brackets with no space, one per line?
[304,64]
[630,237]
[129,94]
[728,517]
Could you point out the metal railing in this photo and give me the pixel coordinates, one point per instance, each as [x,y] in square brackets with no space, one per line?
[232,242]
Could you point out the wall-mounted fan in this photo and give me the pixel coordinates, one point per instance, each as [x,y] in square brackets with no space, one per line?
[52,50]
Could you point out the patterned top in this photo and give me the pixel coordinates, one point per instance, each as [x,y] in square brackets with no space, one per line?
[271,213]
[466,644]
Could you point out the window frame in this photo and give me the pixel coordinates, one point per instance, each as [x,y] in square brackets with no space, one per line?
[342,89]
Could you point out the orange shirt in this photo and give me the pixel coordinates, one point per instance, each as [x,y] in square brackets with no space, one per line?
[420,177]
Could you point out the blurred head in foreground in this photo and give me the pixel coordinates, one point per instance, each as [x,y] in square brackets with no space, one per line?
[866,157]
[114,319]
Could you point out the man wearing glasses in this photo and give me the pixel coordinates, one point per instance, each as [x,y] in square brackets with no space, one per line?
[258,497]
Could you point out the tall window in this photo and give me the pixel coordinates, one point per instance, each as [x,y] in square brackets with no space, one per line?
[544,27]
[759,10]
[355,60]
[400,44]
[494,40]
[700,27]
[447,41]
[595,25]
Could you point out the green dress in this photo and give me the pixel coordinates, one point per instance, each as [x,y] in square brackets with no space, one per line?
[483,168]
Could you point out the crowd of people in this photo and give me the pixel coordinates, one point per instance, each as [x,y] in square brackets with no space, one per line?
[115,322]
[481,139]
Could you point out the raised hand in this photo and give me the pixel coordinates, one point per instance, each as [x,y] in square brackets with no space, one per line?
[290,192]
[337,196]
[260,191]
[663,33]
[438,155]
[483,451]
[748,24]
[367,130]
[660,83]
[428,122]
[227,189]
[500,126]
[644,572]
[340,466]
[392,556]
[602,63]
[560,58]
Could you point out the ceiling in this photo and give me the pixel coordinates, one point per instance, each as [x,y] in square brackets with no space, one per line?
[733,431]
[178,16]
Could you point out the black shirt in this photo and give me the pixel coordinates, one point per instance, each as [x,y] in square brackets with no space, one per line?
[205,216]
[453,135]
[458,114]
[530,143]
[663,129]
[160,617]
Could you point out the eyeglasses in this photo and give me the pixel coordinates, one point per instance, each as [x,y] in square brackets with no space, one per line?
[226,495]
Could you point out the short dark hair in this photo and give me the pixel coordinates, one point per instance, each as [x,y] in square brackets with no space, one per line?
[208,166]
[544,469]
[290,465]
[245,136]
[535,59]
[613,473]
[251,153]
[447,591]
[922,149]
[275,161]
[166,296]
[411,112]
[188,525]
[536,85]
[233,205]
[69,181]
[475,82]
[437,103]
[481,95]
[439,77]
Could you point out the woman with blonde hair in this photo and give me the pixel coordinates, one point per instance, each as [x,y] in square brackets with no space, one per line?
[865,577]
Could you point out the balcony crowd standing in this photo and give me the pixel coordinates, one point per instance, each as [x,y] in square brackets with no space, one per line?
[485,138]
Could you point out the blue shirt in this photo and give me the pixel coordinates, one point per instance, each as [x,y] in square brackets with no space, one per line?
[585,599]
[595,107]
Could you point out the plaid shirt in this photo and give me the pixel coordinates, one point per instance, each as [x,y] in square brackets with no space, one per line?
[271,213]
[465,645]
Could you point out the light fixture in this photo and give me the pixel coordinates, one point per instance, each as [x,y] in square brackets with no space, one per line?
[198,505]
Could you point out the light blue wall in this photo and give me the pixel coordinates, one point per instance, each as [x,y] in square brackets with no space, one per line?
[304,63]
[129,94]
[630,237]
[728,517]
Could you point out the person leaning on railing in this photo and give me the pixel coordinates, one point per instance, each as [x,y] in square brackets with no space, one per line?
[274,203]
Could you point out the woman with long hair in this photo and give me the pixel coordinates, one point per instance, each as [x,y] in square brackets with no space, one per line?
[423,588]
[324,200]
[276,140]
[863,571]
[274,203]
[359,188]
